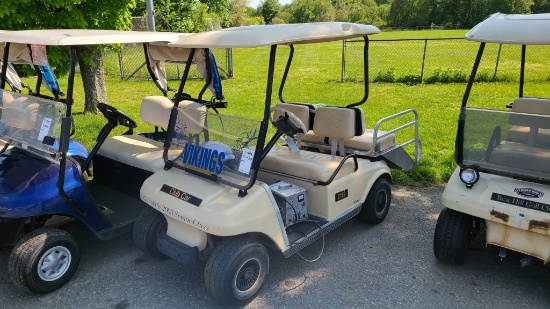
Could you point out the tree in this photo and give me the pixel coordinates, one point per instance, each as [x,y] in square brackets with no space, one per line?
[218,9]
[402,12]
[305,11]
[180,16]
[88,14]
[238,13]
[540,6]
[269,9]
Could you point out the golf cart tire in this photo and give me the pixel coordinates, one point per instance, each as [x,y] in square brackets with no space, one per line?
[38,248]
[452,237]
[228,263]
[377,204]
[149,224]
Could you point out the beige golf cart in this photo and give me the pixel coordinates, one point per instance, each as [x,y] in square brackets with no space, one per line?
[501,186]
[235,189]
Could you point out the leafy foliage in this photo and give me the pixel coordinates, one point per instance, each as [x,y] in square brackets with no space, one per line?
[180,15]
[269,9]
[64,14]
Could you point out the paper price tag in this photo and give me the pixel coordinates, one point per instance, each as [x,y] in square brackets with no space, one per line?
[246,160]
[45,128]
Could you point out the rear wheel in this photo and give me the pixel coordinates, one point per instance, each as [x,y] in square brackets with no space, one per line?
[236,271]
[43,260]
[376,206]
[148,225]
[452,236]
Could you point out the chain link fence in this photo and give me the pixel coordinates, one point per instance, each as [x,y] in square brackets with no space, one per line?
[409,61]
[128,63]
[414,61]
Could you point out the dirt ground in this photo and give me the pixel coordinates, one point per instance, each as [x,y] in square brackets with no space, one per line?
[390,265]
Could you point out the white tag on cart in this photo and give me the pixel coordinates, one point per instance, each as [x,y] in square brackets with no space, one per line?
[247,156]
[45,128]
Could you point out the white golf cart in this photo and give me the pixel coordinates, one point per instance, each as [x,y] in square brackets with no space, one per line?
[501,186]
[233,191]
[41,179]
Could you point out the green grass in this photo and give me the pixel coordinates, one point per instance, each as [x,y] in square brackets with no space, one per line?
[315,78]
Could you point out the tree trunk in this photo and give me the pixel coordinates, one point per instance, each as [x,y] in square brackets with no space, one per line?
[93,80]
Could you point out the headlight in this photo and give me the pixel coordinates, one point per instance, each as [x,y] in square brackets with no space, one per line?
[469,176]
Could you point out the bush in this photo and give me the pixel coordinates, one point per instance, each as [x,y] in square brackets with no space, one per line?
[387,76]
[277,20]
[484,76]
[410,79]
[447,76]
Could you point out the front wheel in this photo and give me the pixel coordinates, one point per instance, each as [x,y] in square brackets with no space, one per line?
[236,271]
[44,260]
[149,224]
[452,236]
[375,208]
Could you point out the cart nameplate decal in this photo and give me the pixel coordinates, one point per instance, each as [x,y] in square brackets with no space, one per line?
[520,202]
[174,213]
[529,192]
[341,195]
[186,197]
[203,158]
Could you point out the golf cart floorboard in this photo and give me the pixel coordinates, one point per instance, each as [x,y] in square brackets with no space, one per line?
[300,230]
[119,208]
[303,233]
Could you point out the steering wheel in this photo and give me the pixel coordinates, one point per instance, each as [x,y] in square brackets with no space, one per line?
[288,128]
[115,116]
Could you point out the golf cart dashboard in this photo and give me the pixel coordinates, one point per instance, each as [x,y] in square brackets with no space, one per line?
[31,123]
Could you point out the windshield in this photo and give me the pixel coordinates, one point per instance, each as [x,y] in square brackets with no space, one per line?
[509,142]
[31,123]
[214,145]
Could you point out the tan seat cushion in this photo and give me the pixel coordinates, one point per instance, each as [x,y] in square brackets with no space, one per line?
[334,122]
[300,111]
[520,134]
[363,142]
[137,151]
[521,156]
[20,113]
[155,110]
[305,164]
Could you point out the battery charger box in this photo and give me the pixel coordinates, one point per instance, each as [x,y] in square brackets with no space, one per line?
[291,200]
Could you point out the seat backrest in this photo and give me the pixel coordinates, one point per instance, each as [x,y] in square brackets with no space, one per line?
[535,106]
[193,115]
[20,112]
[336,123]
[155,110]
[301,111]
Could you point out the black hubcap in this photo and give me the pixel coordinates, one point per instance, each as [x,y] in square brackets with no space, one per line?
[381,200]
[248,275]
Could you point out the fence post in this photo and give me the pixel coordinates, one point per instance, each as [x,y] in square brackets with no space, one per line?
[496,64]
[120,64]
[229,56]
[343,74]
[423,60]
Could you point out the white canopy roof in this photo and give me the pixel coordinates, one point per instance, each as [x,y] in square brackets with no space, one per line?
[266,35]
[532,29]
[68,37]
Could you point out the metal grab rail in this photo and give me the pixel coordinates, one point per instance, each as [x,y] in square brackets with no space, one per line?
[416,139]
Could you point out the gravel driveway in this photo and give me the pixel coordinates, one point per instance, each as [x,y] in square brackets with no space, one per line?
[390,265]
